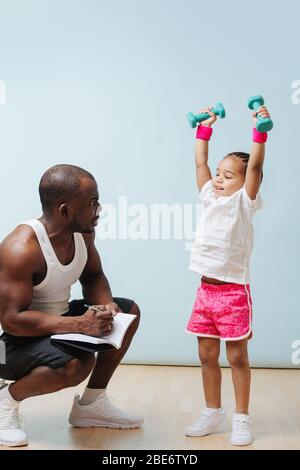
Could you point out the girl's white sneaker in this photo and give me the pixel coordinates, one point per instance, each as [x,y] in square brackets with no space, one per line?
[241,432]
[211,421]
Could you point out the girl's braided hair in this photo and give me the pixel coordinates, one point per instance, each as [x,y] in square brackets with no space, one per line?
[244,157]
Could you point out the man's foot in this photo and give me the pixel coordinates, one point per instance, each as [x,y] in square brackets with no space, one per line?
[102,413]
[211,421]
[11,433]
[241,432]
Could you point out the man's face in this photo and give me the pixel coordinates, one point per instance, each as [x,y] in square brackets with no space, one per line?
[86,207]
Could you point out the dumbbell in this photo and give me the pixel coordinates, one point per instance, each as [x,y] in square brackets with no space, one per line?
[263,124]
[194,119]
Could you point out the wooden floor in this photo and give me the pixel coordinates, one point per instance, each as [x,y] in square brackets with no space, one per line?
[169,398]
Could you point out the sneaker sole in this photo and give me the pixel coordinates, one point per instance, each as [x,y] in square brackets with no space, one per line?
[14,444]
[84,423]
[241,443]
[221,428]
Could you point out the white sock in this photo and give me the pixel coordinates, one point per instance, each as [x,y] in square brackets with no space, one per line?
[215,410]
[4,394]
[90,395]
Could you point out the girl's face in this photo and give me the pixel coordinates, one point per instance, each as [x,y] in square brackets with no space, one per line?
[230,176]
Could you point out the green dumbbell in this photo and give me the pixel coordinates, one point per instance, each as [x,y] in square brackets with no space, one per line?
[263,124]
[194,119]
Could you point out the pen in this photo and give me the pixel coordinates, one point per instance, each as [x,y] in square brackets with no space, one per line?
[92,307]
[97,309]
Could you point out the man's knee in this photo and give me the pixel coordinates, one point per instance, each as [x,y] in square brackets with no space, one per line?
[135,310]
[76,370]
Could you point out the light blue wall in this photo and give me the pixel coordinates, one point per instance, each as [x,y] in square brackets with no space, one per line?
[106,85]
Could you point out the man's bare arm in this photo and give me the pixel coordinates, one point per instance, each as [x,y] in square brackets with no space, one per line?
[95,286]
[16,271]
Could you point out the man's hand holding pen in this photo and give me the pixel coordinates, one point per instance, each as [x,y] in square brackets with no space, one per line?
[98,319]
[113,307]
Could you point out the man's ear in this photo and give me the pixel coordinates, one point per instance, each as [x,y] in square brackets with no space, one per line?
[64,210]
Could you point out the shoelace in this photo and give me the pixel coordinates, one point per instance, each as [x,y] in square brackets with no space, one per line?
[106,403]
[203,418]
[241,425]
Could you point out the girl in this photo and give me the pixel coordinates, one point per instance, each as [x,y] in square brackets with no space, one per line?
[221,254]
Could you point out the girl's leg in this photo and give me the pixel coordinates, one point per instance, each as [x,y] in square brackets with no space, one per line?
[213,418]
[209,351]
[237,355]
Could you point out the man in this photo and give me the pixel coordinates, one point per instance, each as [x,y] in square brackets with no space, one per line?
[39,261]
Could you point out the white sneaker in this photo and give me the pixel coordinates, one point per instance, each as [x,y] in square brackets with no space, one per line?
[102,413]
[241,432]
[11,433]
[210,422]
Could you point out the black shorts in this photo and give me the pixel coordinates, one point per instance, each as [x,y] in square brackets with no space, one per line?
[26,353]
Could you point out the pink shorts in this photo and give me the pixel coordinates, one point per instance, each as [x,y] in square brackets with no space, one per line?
[222,311]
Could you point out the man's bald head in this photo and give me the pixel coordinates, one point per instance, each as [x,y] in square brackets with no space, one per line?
[60,184]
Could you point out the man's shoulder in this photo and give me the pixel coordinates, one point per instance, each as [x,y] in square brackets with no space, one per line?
[20,247]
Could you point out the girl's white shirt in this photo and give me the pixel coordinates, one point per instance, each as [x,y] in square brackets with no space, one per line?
[224,236]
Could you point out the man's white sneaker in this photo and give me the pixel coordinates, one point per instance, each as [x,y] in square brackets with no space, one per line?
[241,432]
[102,413]
[11,433]
[210,422]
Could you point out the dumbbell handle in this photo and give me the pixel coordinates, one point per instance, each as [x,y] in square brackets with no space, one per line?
[263,124]
[194,119]
[203,116]
[256,105]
